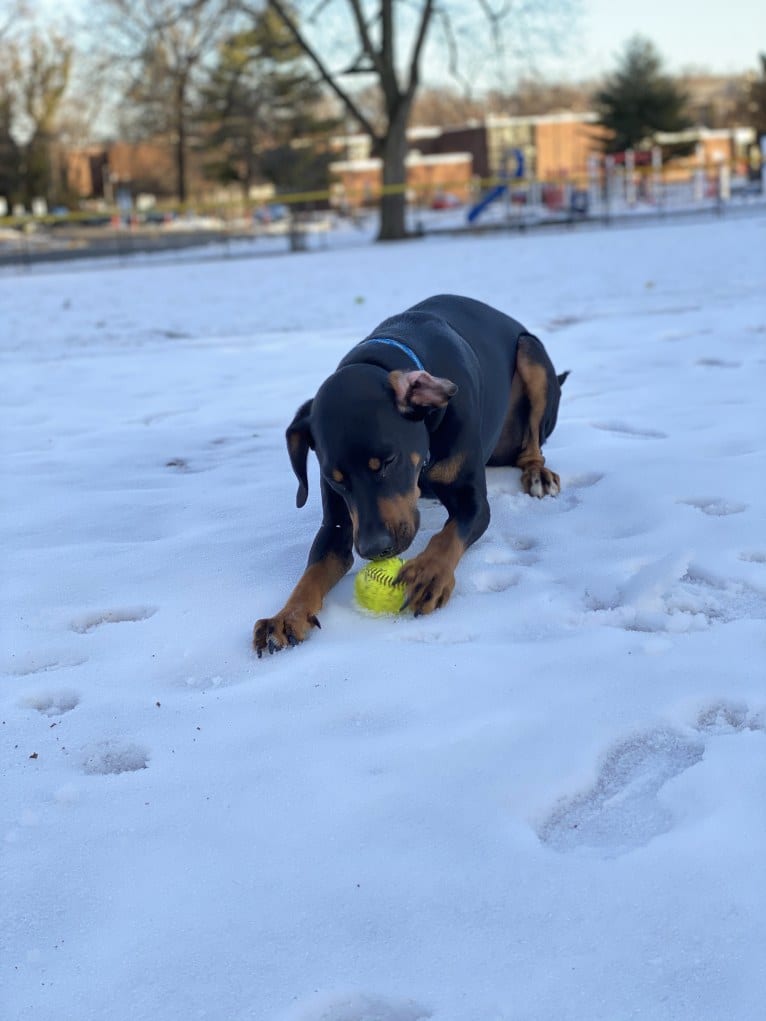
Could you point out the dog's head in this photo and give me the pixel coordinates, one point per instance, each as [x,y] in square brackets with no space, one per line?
[369,431]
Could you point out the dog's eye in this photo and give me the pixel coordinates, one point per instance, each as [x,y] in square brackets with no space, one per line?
[380,465]
[338,481]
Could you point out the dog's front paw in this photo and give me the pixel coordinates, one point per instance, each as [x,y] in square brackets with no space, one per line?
[429,583]
[540,482]
[288,628]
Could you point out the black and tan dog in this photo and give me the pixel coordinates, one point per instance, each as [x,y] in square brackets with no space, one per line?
[421,406]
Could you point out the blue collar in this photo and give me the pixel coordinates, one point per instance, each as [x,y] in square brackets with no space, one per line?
[395,343]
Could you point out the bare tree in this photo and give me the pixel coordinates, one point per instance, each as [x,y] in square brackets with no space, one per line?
[158,49]
[11,13]
[35,68]
[386,41]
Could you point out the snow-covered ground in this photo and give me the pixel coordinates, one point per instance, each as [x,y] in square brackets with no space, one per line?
[544,802]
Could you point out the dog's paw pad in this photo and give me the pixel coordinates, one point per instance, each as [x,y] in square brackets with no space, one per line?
[540,482]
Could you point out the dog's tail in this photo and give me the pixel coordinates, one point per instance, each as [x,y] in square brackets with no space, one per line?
[562,377]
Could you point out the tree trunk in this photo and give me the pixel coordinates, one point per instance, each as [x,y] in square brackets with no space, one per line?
[181,141]
[393,203]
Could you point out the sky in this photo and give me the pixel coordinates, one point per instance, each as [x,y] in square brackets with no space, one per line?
[686,33]
[723,39]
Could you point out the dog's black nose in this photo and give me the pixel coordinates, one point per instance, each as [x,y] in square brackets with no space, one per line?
[375,547]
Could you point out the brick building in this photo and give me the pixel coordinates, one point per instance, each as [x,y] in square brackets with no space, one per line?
[358,181]
[553,148]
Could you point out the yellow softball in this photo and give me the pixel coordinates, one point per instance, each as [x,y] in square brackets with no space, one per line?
[376,589]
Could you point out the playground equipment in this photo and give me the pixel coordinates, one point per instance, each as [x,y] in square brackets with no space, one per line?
[507,173]
[486,200]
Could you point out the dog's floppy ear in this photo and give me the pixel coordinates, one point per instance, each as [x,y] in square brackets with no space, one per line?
[418,392]
[299,439]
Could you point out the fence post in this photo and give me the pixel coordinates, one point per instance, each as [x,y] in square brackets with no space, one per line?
[594,192]
[698,180]
[630,177]
[609,185]
[297,233]
[724,182]
[657,190]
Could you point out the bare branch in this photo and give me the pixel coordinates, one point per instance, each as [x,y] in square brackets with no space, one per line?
[364,36]
[452,49]
[16,11]
[318,10]
[327,76]
[425,21]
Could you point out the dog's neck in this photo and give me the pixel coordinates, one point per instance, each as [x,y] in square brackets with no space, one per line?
[396,343]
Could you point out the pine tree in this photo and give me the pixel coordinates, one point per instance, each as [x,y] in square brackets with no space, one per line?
[756,98]
[639,99]
[258,100]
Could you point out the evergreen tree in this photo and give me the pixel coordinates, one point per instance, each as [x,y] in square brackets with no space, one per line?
[639,99]
[756,98]
[258,100]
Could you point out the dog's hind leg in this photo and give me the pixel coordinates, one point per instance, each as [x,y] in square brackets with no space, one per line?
[542,391]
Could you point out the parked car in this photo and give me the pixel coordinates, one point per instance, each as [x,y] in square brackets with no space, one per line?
[445,200]
[273,212]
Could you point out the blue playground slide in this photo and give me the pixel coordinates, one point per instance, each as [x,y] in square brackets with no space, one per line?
[494,193]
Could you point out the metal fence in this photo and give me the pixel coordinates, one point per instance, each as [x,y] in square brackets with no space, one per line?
[306,222]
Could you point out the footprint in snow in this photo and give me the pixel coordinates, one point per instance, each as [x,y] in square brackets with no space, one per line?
[718,363]
[582,481]
[492,579]
[672,595]
[52,703]
[523,543]
[726,717]
[519,550]
[716,599]
[354,1006]
[567,500]
[563,321]
[434,636]
[625,429]
[183,467]
[718,508]
[127,615]
[753,556]
[114,757]
[621,810]
[34,664]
